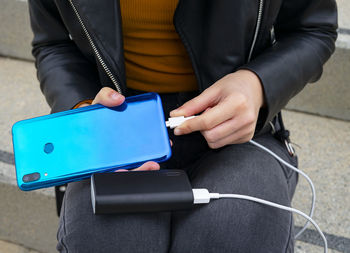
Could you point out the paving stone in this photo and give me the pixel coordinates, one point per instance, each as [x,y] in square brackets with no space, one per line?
[28,218]
[302,247]
[324,155]
[343,13]
[8,247]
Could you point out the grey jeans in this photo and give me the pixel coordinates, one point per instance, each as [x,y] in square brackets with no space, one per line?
[226,225]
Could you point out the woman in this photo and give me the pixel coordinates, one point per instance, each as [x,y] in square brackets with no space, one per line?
[236,63]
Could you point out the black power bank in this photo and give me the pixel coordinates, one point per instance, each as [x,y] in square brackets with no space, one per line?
[140,191]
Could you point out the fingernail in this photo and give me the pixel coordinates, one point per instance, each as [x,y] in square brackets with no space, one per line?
[173,112]
[177,131]
[115,96]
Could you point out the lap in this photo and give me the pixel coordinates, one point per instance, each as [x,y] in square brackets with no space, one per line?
[246,169]
[82,231]
[221,226]
[232,225]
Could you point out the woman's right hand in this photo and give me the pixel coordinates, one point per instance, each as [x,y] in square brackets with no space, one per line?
[109,97]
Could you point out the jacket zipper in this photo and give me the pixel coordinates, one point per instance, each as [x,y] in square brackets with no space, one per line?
[257,28]
[95,50]
[177,26]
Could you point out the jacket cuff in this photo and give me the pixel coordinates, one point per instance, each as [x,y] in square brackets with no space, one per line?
[86,101]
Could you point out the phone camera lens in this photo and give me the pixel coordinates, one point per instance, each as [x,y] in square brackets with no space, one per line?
[31,177]
[48,148]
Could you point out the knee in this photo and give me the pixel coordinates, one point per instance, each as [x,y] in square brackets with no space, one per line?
[243,215]
[234,226]
[78,227]
[82,231]
[76,231]
[77,240]
[244,170]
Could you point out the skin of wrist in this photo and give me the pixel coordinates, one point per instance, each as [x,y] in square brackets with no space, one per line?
[83,105]
[251,80]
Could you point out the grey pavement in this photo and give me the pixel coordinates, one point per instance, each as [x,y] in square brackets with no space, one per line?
[343,13]
[330,95]
[302,247]
[324,154]
[8,247]
[15,29]
[26,218]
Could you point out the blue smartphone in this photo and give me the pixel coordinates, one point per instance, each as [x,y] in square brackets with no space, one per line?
[69,146]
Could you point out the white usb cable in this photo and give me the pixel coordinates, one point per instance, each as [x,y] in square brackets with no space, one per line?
[301,173]
[176,121]
[203,196]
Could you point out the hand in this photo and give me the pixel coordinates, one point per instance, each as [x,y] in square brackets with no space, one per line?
[109,97]
[231,107]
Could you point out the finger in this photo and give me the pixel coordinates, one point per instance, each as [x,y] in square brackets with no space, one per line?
[83,105]
[171,143]
[198,104]
[241,136]
[221,131]
[207,120]
[148,166]
[108,97]
[121,170]
[225,129]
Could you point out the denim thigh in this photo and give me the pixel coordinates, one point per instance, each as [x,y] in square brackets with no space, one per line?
[221,226]
[233,225]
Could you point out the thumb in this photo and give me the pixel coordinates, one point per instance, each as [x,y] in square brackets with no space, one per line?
[148,166]
[198,104]
[108,97]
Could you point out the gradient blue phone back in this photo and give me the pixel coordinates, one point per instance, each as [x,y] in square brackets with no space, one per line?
[71,145]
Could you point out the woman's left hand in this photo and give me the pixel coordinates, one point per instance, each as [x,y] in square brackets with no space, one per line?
[230,110]
[109,97]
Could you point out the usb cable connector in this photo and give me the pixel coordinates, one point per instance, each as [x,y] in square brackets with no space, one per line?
[177,121]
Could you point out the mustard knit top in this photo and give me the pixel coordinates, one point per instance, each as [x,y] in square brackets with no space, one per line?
[155,58]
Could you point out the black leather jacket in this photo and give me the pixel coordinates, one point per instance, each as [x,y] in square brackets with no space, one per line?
[78,45]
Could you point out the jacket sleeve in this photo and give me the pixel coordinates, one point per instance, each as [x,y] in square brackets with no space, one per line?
[305,39]
[66,77]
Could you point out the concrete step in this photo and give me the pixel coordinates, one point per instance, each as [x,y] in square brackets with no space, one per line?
[15,31]
[26,218]
[29,218]
[328,97]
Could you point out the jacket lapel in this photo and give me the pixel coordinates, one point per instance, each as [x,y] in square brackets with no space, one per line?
[103,21]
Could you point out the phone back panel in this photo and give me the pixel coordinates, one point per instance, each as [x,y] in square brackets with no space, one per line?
[71,145]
